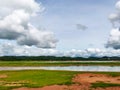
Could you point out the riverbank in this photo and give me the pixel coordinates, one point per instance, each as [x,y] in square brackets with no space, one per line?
[59,63]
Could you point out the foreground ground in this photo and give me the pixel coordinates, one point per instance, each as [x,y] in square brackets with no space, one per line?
[58,80]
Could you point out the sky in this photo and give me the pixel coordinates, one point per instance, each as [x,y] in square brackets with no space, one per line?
[61,17]
[60,27]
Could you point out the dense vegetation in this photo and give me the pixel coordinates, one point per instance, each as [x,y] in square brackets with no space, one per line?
[53,58]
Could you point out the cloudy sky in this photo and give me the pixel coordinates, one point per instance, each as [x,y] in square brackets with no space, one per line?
[60,27]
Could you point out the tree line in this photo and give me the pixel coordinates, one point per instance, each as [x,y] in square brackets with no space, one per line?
[54,58]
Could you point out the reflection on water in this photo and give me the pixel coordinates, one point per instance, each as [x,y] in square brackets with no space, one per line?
[68,68]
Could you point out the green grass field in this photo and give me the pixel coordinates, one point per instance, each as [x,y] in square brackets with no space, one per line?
[36,78]
[39,78]
[59,63]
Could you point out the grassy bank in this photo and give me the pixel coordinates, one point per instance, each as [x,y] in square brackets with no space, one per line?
[38,78]
[57,63]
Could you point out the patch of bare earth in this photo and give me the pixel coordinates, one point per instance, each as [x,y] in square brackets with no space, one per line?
[3,76]
[92,78]
[82,82]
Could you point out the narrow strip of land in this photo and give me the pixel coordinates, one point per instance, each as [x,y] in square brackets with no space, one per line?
[59,63]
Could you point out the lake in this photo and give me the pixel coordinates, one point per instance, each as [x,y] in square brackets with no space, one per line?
[68,68]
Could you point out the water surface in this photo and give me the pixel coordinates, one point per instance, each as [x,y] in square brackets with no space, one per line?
[68,68]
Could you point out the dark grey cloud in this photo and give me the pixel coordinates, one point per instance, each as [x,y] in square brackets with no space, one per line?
[81,27]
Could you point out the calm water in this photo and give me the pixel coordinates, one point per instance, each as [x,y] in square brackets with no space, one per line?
[68,68]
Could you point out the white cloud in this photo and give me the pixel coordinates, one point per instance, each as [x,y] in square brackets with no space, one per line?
[15,24]
[115,19]
[30,6]
[118,5]
[43,39]
[92,52]
[114,38]
[12,49]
